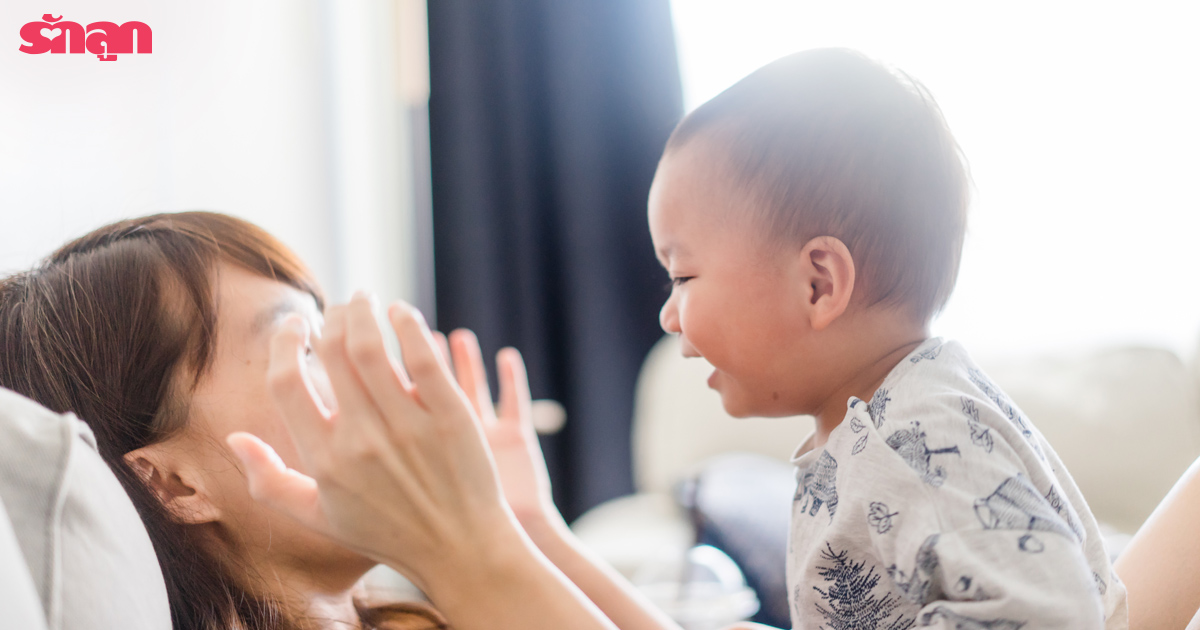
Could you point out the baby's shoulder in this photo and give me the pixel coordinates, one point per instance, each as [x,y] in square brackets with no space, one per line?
[941,385]
[939,417]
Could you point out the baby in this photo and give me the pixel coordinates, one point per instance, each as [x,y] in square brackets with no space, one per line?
[811,218]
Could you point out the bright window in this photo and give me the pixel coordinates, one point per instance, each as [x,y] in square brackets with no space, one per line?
[1081,128]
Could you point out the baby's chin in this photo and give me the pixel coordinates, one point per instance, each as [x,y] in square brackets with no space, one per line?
[741,402]
[736,400]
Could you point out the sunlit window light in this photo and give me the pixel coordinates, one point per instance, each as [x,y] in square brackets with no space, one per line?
[1079,122]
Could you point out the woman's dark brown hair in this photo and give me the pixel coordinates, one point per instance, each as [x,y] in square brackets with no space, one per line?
[118,327]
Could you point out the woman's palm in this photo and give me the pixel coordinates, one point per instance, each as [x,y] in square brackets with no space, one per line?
[508,426]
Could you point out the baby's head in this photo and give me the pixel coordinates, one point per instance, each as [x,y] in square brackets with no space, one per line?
[813,209]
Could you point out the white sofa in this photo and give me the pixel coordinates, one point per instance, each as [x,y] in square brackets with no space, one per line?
[1126,421]
[73,551]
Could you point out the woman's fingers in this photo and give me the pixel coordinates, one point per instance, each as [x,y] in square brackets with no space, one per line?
[430,377]
[443,346]
[374,368]
[306,417]
[515,401]
[472,375]
[352,397]
[275,485]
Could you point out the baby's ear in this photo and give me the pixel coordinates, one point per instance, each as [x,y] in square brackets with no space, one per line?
[175,480]
[829,270]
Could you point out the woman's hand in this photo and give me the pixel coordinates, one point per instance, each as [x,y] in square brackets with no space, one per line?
[399,470]
[508,428]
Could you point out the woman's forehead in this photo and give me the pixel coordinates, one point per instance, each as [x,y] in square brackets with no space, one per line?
[254,303]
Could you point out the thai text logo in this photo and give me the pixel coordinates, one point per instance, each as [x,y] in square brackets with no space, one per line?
[106,40]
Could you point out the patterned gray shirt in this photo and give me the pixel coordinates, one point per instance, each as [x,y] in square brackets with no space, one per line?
[938,504]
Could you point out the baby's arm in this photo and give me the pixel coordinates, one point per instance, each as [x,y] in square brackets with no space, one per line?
[1006,580]
[982,546]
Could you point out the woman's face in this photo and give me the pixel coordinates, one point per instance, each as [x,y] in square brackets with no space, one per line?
[233,396]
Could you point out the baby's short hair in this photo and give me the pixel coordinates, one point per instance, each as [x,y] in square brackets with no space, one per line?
[830,143]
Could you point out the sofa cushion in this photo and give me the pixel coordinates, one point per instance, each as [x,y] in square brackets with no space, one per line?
[88,555]
[1125,421]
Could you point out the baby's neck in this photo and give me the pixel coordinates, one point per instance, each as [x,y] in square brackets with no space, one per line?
[873,360]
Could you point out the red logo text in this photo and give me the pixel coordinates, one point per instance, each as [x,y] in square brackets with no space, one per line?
[106,40]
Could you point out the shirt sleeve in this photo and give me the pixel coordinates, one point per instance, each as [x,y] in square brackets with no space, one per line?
[1001,580]
[990,550]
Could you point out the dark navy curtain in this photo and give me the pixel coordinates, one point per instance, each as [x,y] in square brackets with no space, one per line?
[546,121]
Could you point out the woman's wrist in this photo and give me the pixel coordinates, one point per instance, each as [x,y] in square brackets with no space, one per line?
[510,583]
[545,526]
[482,562]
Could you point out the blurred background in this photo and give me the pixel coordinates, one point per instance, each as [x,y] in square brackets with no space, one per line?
[489,160]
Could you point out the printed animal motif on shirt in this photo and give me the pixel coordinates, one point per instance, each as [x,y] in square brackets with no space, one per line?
[1017,505]
[963,622]
[878,406]
[818,486]
[849,601]
[910,445]
[917,586]
[1006,408]
[981,435]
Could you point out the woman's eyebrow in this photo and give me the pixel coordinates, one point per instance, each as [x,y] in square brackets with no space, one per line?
[274,313]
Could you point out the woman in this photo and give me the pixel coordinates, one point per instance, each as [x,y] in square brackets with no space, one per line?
[155,331]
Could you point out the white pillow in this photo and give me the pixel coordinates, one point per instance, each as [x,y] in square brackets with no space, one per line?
[18,597]
[88,554]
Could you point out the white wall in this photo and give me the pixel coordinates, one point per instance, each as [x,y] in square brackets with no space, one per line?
[1079,121]
[282,112]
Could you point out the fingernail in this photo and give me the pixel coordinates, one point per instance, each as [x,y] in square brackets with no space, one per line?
[296,324]
[235,445]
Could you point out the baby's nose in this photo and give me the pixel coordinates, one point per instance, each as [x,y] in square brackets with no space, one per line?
[668,317]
